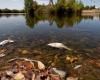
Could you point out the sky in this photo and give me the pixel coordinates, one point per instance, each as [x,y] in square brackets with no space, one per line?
[19,4]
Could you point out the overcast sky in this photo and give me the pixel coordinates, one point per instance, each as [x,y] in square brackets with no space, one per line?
[19,4]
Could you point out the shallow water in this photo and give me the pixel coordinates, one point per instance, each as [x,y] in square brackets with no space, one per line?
[31,36]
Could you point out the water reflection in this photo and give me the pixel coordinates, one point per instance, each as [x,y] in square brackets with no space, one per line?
[61,21]
[10,14]
[32,34]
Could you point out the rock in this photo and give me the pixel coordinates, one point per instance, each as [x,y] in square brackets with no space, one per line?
[41,66]
[25,64]
[78,66]
[95,62]
[72,78]
[2,52]
[33,76]
[2,55]
[28,64]
[4,78]
[38,77]
[71,59]
[9,73]
[55,77]
[19,76]
[25,52]
[61,73]
[48,78]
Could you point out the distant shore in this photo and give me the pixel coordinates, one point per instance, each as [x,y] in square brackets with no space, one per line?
[12,13]
[93,12]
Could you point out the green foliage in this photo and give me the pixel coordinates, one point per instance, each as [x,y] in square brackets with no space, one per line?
[30,6]
[71,5]
[40,9]
[89,7]
[61,7]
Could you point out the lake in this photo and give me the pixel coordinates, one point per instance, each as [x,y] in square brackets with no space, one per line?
[32,34]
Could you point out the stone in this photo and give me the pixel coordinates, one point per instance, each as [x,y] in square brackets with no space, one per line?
[9,73]
[72,78]
[71,59]
[25,52]
[19,76]
[61,73]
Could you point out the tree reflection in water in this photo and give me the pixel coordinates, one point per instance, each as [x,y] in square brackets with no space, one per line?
[61,21]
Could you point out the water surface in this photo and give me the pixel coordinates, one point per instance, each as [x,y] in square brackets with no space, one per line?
[32,34]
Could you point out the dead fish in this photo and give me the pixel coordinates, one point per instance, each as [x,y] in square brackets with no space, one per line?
[59,45]
[2,43]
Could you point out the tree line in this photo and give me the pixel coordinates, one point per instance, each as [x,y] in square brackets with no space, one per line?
[60,7]
[11,11]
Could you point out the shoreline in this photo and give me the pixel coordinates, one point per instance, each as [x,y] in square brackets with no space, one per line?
[12,13]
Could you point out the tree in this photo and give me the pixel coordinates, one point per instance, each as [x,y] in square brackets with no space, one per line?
[51,2]
[0,11]
[69,6]
[29,6]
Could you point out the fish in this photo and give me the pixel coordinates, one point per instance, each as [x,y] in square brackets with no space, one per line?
[59,45]
[2,43]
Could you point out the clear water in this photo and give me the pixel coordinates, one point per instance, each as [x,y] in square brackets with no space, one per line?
[82,34]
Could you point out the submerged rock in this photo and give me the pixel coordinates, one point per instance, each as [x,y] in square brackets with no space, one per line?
[9,73]
[33,76]
[2,52]
[95,62]
[2,55]
[78,66]
[61,73]
[24,51]
[72,78]
[55,77]
[71,59]
[28,64]
[19,76]
[26,69]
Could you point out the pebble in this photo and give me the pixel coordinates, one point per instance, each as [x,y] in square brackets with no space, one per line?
[2,55]
[19,76]
[78,66]
[59,72]
[72,78]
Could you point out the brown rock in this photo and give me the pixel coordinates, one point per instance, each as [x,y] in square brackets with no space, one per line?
[72,78]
